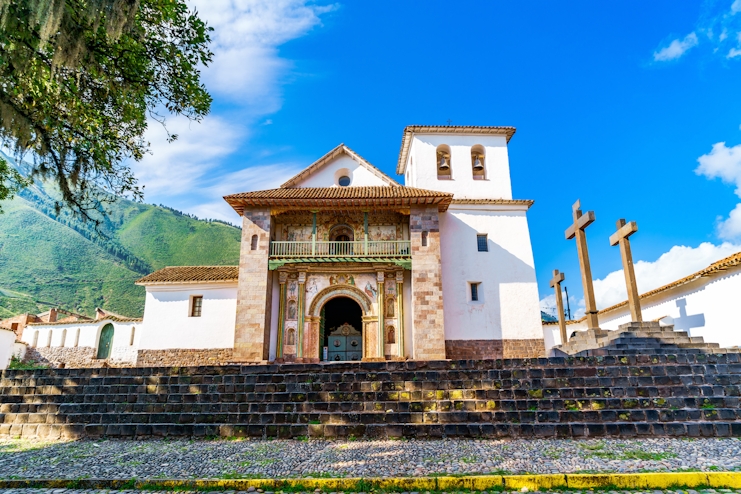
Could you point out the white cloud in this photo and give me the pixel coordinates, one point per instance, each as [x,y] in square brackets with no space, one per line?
[247,33]
[548,305]
[736,7]
[676,48]
[730,228]
[679,262]
[722,162]
[177,167]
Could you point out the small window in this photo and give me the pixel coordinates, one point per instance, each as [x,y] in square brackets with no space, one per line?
[424,239]
[482,242]
[442,159]
[196,306]
[478,162]
[475,292]
[344,181]
[253,244]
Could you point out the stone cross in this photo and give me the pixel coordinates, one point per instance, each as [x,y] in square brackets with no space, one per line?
[581,222]
[556,284]
[621,237]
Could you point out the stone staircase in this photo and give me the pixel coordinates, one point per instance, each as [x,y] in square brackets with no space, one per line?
[636,395]
[637,338]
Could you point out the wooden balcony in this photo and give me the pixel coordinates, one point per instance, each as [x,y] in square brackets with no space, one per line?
[394,251]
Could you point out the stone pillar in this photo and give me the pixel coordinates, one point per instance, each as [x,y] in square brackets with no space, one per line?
[380,278]
[312,353]
[400,313]
[428,332]
[300,313]
[282,277]
[370,339]
[254,290]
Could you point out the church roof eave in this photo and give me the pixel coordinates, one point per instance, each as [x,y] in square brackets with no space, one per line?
[365,197]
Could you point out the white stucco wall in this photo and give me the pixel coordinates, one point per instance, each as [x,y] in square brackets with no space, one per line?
[508,306]
[421,170]
[328,175]
[66,335]
[707,307]
[167,321]
[7,347]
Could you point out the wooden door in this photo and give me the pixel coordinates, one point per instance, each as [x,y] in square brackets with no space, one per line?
[105,342]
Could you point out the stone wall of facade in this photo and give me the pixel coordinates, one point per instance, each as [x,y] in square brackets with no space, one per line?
[184,357]
[473,349]
[427,285]
[532,348]
[254,292]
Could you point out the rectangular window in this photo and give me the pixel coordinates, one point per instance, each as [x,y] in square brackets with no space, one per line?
[482,242]
[195,306]
[475,292]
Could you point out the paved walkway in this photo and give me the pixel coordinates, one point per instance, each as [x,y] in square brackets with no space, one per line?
[233,459]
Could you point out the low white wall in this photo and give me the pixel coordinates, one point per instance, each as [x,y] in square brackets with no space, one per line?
[7,347]
[508,306]
[167,321]
[707,307]
[86,334]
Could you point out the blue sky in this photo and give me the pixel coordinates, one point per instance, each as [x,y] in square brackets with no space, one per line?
[614,103]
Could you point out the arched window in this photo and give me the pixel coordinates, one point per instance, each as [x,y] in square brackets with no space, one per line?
[133,333]
[478,162]
[64,337]
[35,339]
[253,244]
[390,306]
[443,163]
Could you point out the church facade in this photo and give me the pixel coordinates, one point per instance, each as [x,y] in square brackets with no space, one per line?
[343,263]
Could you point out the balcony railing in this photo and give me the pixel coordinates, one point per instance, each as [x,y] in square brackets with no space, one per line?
[357,248]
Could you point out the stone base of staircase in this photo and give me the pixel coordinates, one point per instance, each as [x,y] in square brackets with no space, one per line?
[637,338]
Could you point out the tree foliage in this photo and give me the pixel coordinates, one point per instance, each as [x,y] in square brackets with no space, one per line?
[79,80]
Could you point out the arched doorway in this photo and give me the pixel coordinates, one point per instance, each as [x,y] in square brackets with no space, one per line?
[105,341]
[342,320]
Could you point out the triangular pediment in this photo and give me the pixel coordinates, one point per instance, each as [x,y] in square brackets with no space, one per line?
[340,161]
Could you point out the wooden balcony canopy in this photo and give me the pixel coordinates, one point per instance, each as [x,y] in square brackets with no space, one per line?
[345,198]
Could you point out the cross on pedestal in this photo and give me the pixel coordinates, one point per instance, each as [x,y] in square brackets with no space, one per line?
[581,222]
[621,237]
[556,284]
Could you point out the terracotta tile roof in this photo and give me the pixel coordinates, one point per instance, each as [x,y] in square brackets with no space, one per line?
[330,156]
[410,130]
[713,269]
[191,274]
[86,321]
[340,197]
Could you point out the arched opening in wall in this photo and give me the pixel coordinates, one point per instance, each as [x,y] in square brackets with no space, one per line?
[478,162]
[64,337]
[105,341]
[35,339]
[133,335]
[253,243]
[390,335]
[341,239]
[48,338]
[77,338]
[343,330]
[443,163]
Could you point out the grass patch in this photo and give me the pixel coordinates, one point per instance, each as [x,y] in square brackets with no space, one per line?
[18,364]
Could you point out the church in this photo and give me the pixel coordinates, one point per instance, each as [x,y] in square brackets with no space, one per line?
[344,263]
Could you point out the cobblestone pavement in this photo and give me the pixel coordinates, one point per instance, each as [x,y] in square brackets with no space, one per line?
[153,459]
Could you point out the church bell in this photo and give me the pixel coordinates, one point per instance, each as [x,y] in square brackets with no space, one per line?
[444,163]
[477,164]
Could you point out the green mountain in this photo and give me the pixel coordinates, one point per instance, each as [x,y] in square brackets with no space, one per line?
[55,260]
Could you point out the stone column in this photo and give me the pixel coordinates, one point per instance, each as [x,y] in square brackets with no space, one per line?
[254,289]
[370,339]
[300,313]
[312,353]
[380,278]
[428,332]
[282,277]
[400,314]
